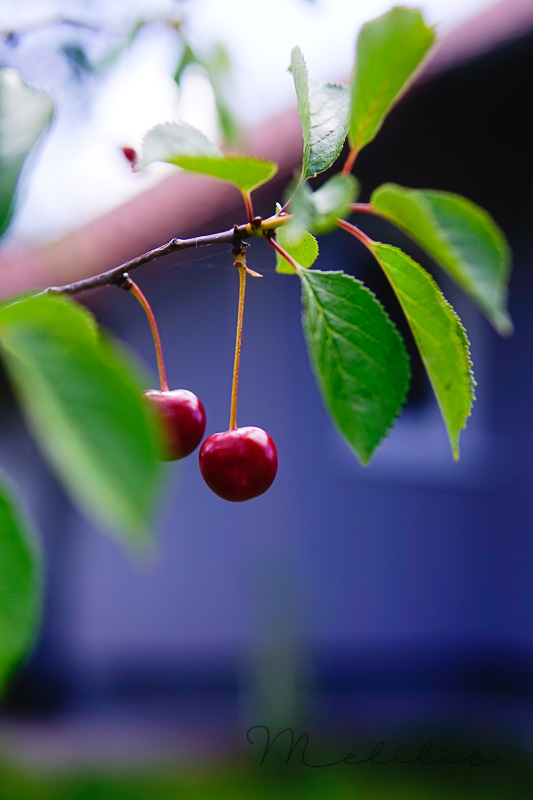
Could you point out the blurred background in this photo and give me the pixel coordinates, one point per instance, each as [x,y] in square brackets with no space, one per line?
[361,605]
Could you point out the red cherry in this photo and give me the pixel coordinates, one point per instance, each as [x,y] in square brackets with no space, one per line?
[130,154]
[183,420]
[239,464]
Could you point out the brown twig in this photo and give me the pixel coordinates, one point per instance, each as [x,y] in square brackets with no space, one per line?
[113,276]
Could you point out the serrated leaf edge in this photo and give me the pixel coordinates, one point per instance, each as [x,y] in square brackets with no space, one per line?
[364,459]
[462,339]
[499,317]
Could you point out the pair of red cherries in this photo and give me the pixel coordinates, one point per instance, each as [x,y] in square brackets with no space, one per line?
[237,464]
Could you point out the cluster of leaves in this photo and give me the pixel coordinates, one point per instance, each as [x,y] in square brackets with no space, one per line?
[357,353]
[81,393]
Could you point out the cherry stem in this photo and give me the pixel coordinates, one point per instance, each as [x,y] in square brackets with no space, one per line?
[350,161]
[279,249]
[136,292]
[240,263]
[357,232]
[248,204]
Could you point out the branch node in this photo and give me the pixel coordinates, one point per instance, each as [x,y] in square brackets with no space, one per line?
[239,247]
[124,282]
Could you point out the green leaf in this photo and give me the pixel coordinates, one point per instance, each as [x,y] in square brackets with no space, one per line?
[438,333]
[83,401]
[20,587]
[188,148]
[245,172]
[165,141]
[218,69]
[23,116]
[318,211]
[304,250]
[461,237]
[358,357]
[188,58]
[389,49]
[227,121]
[323,111]
[333,200]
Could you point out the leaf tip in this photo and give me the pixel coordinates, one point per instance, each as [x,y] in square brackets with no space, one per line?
[504,325]
[365,458]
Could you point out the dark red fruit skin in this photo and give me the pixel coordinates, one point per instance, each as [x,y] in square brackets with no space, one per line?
[183,420]
[239,464]
[130,154]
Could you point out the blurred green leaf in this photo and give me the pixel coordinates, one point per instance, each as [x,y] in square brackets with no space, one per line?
[226,119]
[461,237]
[188,57]
[323,111]
[304,249]
[163,142]
[332,201]
[244,172]
[23,116]
[20,587]
[358,357]
[318,211]
[83,401]
[78,60]
[438,333]
[389,49]
[188,148]
[218,69]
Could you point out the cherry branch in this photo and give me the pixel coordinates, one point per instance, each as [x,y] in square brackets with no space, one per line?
[114,276]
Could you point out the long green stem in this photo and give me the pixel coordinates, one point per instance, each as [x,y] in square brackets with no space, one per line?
[136,292]
[240,263]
